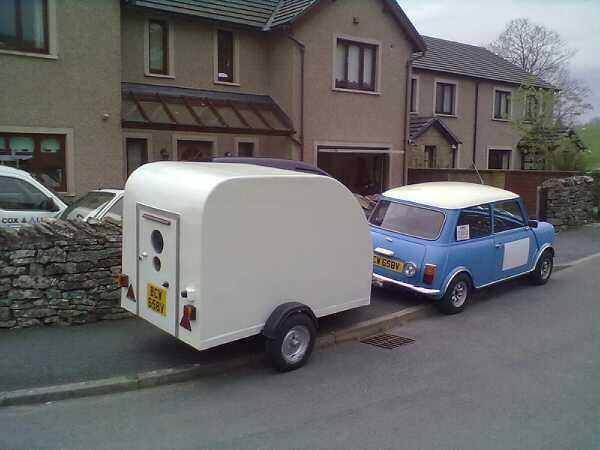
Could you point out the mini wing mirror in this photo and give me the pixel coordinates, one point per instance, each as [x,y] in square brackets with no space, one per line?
[533,223]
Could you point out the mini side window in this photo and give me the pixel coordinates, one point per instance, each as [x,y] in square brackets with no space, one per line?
[473,223]
[507,216]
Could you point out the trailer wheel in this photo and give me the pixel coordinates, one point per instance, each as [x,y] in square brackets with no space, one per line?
[292,343]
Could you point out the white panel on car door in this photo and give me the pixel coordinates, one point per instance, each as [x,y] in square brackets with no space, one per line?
[516,253]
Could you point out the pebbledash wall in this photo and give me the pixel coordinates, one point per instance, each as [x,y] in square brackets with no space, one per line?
[567,202]
[59,273]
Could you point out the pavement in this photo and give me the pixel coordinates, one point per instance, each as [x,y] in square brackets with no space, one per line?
[518,369]
[52,363]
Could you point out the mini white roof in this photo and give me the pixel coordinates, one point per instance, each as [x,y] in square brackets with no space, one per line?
[449,194]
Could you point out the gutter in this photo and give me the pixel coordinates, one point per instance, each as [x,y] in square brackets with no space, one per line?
[475,123]
[300,139]
[409,62]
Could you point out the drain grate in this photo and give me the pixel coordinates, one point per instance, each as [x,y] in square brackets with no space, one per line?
[386,340]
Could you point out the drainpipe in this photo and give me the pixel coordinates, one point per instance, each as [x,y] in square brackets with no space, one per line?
[475,124]
[300,140]
[407,113]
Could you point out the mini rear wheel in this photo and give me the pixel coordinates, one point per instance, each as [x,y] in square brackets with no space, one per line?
[293,343]
[457,295]
[543,269]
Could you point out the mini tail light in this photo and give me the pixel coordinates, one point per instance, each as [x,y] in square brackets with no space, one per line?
[429,273]
[122,280]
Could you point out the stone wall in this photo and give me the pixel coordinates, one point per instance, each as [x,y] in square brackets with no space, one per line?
[59,273]
[568,202]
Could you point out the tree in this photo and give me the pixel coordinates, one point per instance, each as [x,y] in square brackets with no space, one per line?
[541,52]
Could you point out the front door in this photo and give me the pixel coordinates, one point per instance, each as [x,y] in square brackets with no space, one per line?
[513,240]
[157,267]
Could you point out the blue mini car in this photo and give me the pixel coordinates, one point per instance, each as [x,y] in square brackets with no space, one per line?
[445,239]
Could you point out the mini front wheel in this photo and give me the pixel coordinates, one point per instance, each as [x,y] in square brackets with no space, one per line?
[293,343]
[457,295]
[543,269]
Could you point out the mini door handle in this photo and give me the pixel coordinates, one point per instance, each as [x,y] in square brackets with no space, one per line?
[499,245]
[384,251]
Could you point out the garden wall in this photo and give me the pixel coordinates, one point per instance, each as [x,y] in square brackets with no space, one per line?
[567,202]
[59,273]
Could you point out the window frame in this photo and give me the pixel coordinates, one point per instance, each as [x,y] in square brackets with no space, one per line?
[375,70]
[501,91]
[486,236]
[234,57]
[430,156]
[521,211]
[537,107]
[414,95]
[500,149]
[454,108]
[19,47]
[168,44]
[133,138]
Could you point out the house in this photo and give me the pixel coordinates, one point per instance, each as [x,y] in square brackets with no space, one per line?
[90,90]
[461,105]
[111,85]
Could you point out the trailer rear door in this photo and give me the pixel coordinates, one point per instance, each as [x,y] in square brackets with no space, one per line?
[158,255]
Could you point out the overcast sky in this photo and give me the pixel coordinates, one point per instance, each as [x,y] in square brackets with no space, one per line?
[479,22]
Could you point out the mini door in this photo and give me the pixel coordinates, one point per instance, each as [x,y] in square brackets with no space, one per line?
[513,240]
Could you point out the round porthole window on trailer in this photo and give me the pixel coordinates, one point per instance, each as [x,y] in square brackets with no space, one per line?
[157,241]
[156,263]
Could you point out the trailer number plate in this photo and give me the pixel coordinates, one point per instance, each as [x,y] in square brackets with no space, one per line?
[157,299]
[388,263]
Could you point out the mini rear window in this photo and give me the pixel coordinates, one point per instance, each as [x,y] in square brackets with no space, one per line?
[411,220]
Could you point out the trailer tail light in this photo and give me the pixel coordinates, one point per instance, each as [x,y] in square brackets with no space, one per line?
[130,293]
[189,313]
[429,273]
[122,280]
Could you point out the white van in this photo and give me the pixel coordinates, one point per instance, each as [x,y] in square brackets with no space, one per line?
[25,200]
[216,252]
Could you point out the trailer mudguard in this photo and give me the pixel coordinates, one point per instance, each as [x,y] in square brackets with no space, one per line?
[281,313]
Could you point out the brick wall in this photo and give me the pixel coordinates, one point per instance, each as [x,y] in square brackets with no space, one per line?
[59,273]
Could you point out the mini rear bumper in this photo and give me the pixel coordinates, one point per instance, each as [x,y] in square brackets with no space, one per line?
[380,280]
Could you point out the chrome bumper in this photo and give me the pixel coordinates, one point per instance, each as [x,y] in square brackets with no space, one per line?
[379,280]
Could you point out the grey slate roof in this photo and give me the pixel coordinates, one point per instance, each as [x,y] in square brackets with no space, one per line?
[262,14]
[472,61]
[420,124]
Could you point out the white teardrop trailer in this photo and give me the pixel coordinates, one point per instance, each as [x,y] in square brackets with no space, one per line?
[213,253]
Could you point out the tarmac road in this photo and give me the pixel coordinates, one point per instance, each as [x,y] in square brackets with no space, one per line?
[517,370]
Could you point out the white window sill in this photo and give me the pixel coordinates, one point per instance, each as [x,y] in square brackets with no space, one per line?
[31,54]
[226,83]
[356,91]
[451,116]
[500,120]
[159,75]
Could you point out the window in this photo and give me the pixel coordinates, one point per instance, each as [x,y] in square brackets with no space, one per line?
[445,98]
[137,153]
[91,202]
[473,223]
[42,155]
[423,223]
[245,149]
[225,52]
[507,216]
[414,86]
[158,47]
[532,107]
[502,105]
[24,25]
[499,159]
[430,156]
[18,195]
[355,65]
[116,211]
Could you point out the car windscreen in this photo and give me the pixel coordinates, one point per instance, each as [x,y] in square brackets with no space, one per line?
[91,201]
[411,220]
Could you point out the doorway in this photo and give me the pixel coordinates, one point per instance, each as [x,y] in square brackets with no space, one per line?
[361,172]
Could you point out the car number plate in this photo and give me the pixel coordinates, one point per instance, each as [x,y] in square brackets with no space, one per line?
[157,299]
[388,263]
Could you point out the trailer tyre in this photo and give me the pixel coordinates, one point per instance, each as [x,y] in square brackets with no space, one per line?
[292,343]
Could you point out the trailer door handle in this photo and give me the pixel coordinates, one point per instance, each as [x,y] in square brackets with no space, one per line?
[165,284]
